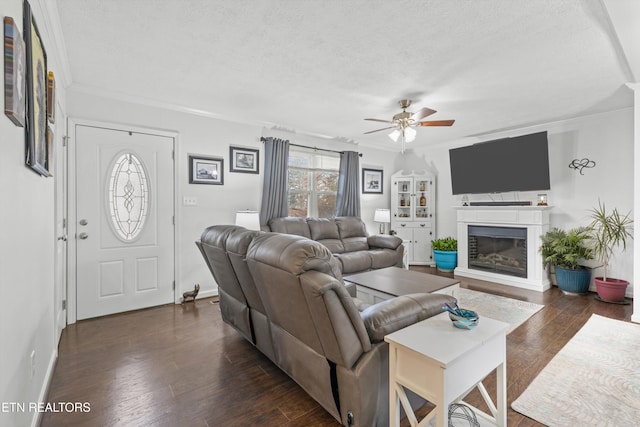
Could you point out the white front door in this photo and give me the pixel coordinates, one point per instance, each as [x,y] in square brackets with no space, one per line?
[124,214]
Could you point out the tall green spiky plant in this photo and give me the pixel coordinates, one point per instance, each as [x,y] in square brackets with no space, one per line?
[608,231]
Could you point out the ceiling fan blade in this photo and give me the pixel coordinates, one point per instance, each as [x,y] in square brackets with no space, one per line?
[380,120]
[422,113]
[378,130]
[436,123]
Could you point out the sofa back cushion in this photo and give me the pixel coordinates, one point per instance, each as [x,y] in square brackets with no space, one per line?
[353,233]
[233,302]
[290,225]
[237,245]
[300,284]
[325,231]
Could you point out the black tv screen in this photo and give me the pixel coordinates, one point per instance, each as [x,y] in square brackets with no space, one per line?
[511,164]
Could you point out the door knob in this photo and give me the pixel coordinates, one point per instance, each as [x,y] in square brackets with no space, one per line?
[83,236]
[84,222]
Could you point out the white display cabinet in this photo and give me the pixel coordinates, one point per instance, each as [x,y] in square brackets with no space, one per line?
[413,213]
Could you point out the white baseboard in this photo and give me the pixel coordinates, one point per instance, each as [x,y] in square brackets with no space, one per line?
[42,397]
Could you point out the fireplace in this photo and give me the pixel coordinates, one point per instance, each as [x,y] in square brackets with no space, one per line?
[502,250]
[500,244]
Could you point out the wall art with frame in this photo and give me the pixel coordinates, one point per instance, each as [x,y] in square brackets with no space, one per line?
[245,160]
[372,180]
[36,111]
[206,170]
[14,73]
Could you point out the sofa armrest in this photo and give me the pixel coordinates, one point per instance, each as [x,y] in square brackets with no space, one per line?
[384,241]
[391,315]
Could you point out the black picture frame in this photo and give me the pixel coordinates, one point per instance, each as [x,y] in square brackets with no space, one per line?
[244,160]
[372,181]
[37,154]
[206,170]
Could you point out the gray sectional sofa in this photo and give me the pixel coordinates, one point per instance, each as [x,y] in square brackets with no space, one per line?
[285,295]
[348,241]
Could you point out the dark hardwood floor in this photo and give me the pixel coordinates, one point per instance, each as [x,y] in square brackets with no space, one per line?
[180,365]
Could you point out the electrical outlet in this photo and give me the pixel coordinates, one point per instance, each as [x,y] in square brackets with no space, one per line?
[32,361]
[189,201]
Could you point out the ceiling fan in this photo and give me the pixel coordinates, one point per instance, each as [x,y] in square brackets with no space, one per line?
[403,123]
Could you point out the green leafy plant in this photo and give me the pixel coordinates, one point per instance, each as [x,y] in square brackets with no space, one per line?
[566,249]
[608,231]
[448,244]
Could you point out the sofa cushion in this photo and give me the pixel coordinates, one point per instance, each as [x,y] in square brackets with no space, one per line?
[334,245]
[353,262]
[352,244]
[290,225]
[323,228]
[350,226]
[293,254]
[383,258]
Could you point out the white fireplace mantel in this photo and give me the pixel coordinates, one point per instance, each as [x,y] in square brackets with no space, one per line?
[534,218]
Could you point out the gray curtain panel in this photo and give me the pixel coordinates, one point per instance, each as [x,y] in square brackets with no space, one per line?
[348,199]
[275,194]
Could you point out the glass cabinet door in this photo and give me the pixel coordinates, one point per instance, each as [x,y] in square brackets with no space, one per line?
[404,201]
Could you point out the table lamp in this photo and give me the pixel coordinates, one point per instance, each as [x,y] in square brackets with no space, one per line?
[382,216]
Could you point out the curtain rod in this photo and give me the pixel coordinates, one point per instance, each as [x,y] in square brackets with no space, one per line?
[263,139]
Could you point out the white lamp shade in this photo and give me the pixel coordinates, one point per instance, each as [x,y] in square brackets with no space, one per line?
[395,135]
[382,215]
[409,134]
[248,219]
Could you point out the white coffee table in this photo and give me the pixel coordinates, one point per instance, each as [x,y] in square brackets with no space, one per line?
[443,364]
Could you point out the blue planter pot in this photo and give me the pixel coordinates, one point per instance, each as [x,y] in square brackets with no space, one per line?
[445,260]
[573,281]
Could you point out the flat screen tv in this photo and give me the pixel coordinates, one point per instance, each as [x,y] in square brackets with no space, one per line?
[511,164]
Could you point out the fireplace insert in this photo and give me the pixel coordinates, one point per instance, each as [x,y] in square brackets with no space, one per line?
[501,250]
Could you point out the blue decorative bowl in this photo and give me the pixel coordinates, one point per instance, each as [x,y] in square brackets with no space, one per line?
[468,320]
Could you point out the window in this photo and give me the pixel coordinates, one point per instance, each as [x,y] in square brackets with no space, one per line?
[313,183]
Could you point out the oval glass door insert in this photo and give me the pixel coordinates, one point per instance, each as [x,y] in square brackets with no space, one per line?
[128,194]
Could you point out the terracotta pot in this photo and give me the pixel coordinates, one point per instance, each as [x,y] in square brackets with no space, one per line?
[612,290]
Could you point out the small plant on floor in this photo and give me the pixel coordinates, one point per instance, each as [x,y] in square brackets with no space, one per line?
[609,230]
[447,244]
[566,249]
[445,253]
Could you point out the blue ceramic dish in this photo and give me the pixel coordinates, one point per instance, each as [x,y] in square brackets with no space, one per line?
[468,320]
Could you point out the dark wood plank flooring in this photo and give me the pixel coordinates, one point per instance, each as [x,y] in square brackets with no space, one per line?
[181,365]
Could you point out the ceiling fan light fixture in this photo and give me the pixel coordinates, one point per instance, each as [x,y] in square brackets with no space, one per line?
[409,134]
[395,135]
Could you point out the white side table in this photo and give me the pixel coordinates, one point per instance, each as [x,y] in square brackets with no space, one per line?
[443,364]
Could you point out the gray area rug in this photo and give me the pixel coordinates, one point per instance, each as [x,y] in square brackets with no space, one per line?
[593,381]
[512,311]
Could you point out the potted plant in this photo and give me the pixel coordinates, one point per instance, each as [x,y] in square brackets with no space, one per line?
[445,253]
[608,231]
[563,250]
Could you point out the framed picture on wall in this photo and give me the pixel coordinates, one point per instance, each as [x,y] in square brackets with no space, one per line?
[14,73]
[372,181]
[245,160]
[36,111]
[206,170]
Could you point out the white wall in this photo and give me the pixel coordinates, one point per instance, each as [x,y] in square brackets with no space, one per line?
[199,134]
[27,294]
[604,138]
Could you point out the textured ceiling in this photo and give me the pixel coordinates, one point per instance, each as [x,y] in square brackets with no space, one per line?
[321,67]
